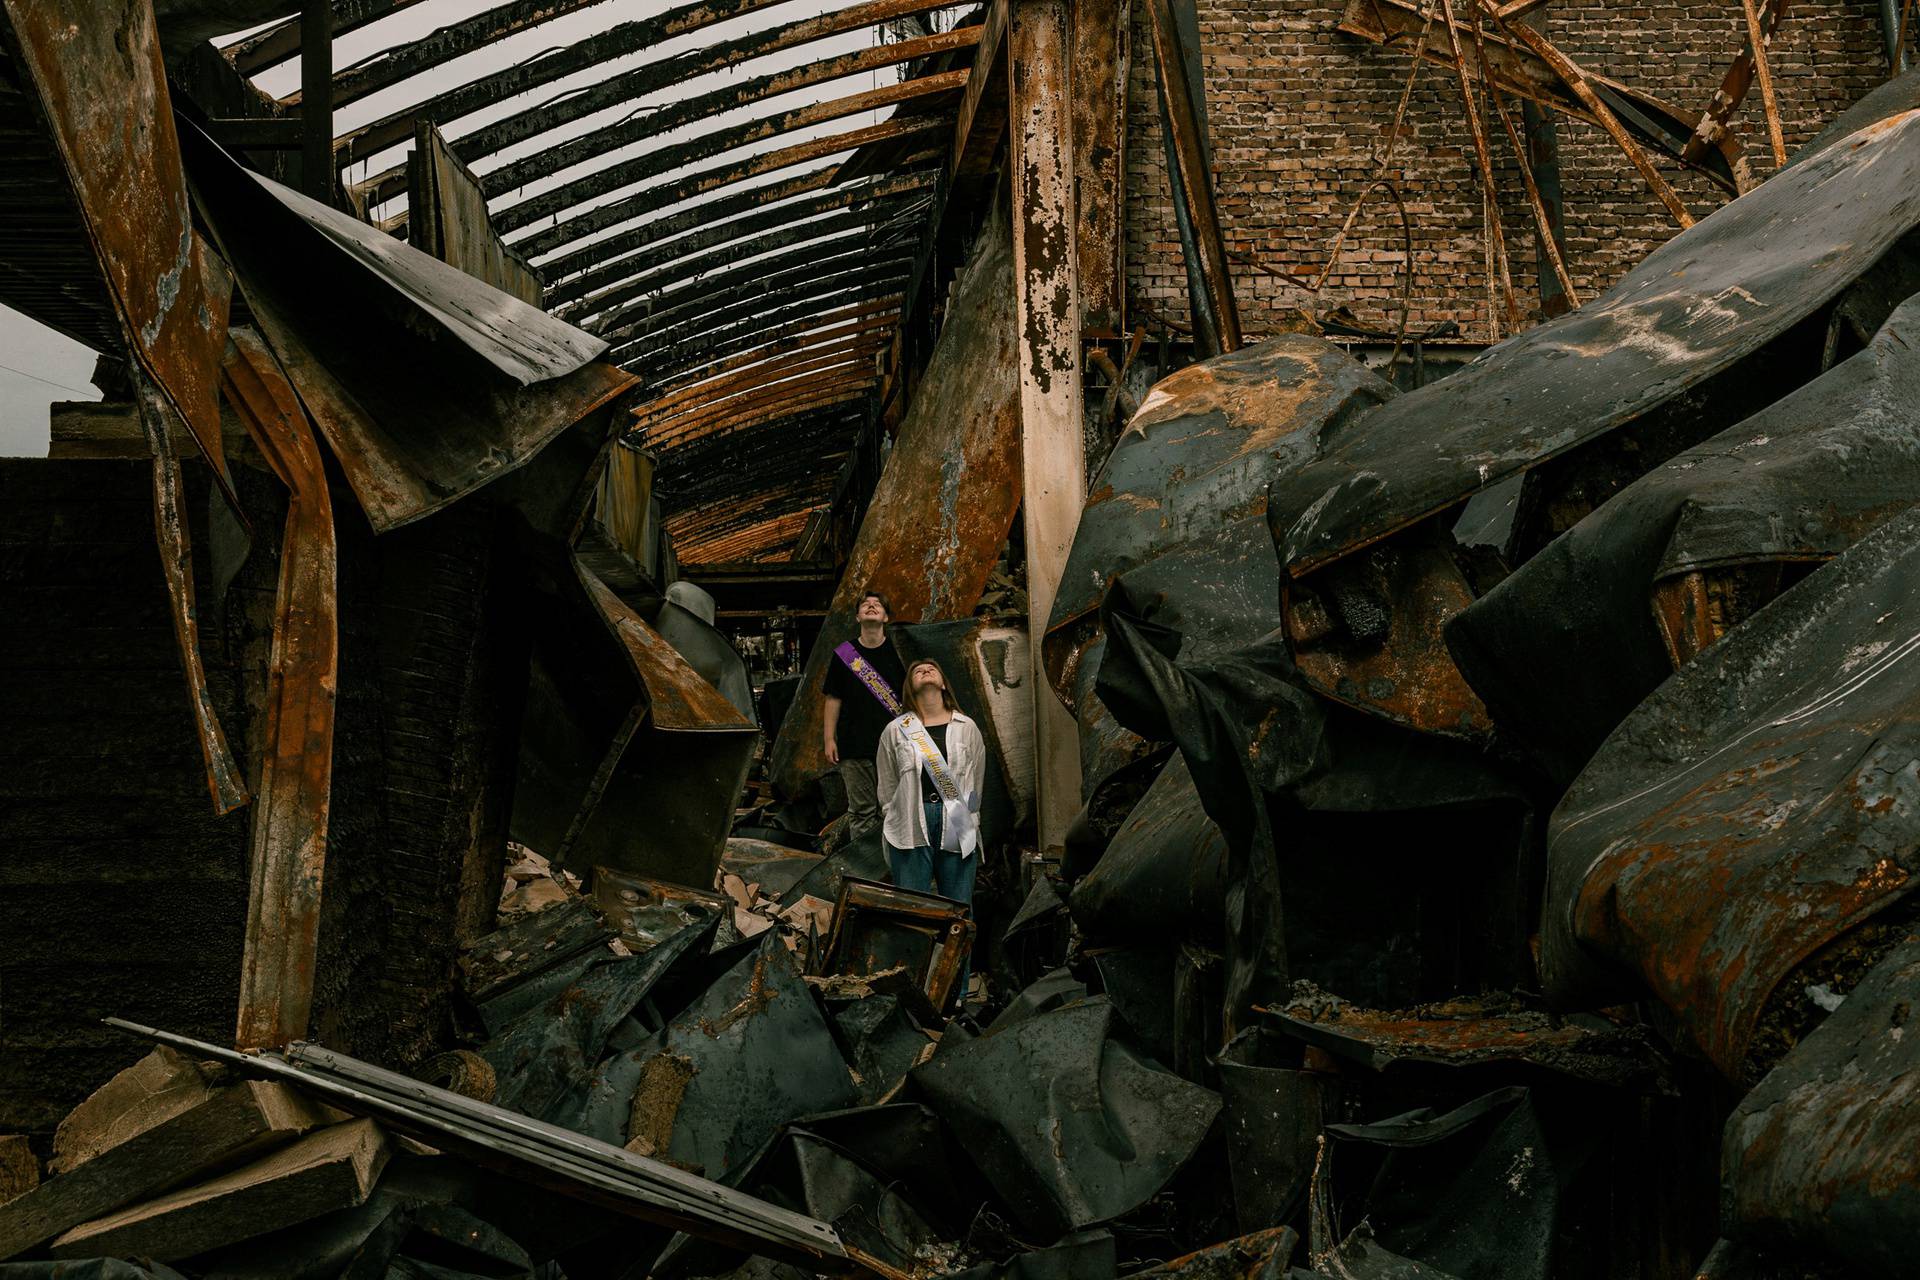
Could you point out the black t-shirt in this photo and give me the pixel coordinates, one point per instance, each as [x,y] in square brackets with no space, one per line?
[938,732]
[863,716]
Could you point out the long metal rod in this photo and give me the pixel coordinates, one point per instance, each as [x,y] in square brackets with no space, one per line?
[1757,41]
[1192,176]
[316,107]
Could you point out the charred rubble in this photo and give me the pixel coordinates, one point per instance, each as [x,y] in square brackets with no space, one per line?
[1498,802]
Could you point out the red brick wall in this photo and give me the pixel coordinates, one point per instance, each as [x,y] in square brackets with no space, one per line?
[1296,109]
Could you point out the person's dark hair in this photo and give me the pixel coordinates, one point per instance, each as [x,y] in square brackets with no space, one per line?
[946,685]
[871,594]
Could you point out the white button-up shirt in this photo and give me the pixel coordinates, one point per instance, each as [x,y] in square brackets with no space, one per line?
[896,775]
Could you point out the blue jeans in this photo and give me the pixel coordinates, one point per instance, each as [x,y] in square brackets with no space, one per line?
[928,868]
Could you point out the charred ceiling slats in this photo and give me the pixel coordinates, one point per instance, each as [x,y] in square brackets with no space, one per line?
[706,222]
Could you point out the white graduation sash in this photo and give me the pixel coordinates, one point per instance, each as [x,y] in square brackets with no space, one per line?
[958,832]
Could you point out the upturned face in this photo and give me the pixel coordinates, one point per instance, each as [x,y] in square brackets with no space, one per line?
[871,610]
[924,675]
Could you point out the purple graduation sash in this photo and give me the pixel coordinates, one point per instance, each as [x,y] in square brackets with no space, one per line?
[863,672]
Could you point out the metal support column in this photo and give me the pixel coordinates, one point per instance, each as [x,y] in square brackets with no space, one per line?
[1047,296]
[1543,157]
[316,100]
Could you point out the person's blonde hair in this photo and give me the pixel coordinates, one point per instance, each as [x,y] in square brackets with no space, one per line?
[946,685]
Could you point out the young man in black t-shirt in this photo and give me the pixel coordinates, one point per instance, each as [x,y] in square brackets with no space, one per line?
[856,713]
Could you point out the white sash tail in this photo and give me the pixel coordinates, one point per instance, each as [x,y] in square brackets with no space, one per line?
[959,833]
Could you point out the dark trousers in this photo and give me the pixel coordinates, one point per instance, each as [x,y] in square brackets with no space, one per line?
[928,868]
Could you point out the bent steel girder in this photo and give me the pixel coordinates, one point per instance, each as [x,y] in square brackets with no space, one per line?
[654,199]
[878,193]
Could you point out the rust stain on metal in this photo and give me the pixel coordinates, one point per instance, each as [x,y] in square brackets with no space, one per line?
[289,841]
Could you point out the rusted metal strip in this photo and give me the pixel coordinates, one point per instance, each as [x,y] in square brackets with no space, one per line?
[675,115]
[757,306]
[1576,80]
[665,160]
[101,91]
[790,325]
[289,842]
[173,535]
[1102,59]
[750,279]
[880,199]
[1543,221]
[1046,279]
[282,40]
[753,403]
[667,195]
[1726,100]
[712,389]
[1757,45]
[616,42]
[1525,74]
[1518,9]
[1216,314]
[1483,153]
[982,118]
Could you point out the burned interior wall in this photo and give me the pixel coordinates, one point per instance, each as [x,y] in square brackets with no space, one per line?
[120,890]
[1297,113]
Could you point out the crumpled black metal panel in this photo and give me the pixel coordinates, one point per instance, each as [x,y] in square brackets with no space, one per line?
[1695,307]
[1568,644]
[1163,876]
[1760,807]
[1071,1126]
[1825,1152]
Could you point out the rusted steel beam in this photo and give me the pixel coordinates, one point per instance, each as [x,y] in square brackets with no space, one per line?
[616,42]
[1522,72]
[673,350]
[873,220]
[1576,79]
[1757,44]
[1518,9]
[654,199]
[982,119]
[1216,314]
[764,327]
[1046,278]
[675,115]
[887,194]
[1555,283]
[712,389]
[630,311]
[1483,155]
[289,843]
[1711,129]
[774,396]
[282,40]
[316,103]
[1102,59]
[664,160]
[745,284]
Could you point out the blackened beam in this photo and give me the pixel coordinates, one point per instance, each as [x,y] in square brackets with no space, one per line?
[703,470]
[665,160]
[982,119]
[1523,72]
[730,425]
[616,42]
[1216,314]
[316,108]
[740,381]
[752,281]
[665,196]
[754,340]
[282,40]
[661,352]
[1732,91]
[881,198]
[831,298]
[783,390]
[610,310]
[643,127]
